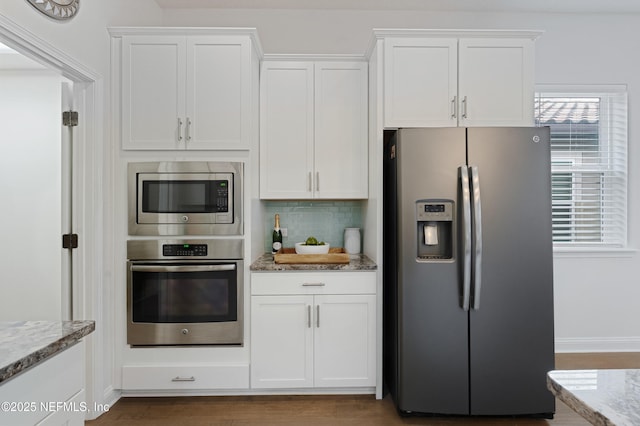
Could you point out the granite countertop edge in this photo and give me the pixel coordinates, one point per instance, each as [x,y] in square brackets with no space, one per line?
[359,262]
[28,343]
[611,399]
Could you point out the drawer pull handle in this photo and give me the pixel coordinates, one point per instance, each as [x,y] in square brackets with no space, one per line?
[183,379]
[313,284]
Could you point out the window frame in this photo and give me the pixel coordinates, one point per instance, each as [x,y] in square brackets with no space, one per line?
[606,125]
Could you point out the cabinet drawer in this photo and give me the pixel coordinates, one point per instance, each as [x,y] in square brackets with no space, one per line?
[179,377]
[271,283]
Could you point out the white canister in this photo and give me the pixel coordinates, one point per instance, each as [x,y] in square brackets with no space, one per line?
[352,240]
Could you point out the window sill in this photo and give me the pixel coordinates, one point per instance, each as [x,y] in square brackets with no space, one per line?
[593,252]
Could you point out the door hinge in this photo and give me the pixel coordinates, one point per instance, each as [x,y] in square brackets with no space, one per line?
[70,241]
[70,118]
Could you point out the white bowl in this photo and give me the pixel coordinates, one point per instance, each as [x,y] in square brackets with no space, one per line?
[301,248]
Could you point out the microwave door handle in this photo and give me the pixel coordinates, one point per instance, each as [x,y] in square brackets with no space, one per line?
[182,268]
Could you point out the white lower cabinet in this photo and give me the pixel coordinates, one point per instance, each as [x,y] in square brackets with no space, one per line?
[313,330]
[51,393]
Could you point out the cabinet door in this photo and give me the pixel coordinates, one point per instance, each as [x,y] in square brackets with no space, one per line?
[340,147]
[281,342]
[420,82]
[496,84]
[153,86]
[218,100]
[345,340]
[286,130]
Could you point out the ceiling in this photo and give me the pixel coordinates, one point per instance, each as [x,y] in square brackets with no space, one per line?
[563,6]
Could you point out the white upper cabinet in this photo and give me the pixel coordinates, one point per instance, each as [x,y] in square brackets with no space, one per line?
[448,80]
[420,82]
[340,148]
[286,129]
[495,82]
[313,130]
[187,91]
[153,88]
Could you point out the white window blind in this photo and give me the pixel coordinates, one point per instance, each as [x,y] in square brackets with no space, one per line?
[588,163]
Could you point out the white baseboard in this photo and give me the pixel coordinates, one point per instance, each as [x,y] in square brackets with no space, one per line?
[597,344]
[246,392]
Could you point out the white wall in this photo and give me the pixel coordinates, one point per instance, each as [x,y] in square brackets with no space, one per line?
[30,219]
[597,295]
[85,41]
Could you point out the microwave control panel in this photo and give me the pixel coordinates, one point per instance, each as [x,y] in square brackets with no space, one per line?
[184,249]
[221,193]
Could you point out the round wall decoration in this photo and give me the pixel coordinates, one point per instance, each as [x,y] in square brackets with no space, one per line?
[57,9]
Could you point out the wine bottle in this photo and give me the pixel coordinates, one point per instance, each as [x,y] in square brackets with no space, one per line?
[276,237]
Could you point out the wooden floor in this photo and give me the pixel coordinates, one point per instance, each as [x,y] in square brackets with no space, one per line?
[356,410]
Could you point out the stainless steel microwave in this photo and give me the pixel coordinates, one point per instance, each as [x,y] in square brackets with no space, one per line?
[185,198]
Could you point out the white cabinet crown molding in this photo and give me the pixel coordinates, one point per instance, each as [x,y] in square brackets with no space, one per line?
[191,31]
[329,57]
[381,33]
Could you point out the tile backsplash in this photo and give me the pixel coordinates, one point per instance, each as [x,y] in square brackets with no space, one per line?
[324,220]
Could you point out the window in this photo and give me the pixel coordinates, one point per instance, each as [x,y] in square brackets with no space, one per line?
[588,163]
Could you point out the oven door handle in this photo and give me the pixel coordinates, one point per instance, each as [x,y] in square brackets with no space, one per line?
[182,268]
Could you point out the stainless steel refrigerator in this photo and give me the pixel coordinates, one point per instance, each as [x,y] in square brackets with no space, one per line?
[468,271]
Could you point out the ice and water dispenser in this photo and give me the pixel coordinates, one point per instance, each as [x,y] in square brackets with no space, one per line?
[435,229]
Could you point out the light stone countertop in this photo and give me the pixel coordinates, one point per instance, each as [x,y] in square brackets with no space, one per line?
[603,397]
[24,344]
[358,262]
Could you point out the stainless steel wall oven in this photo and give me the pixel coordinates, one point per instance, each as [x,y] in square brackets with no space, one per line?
[185,292]
[185,198]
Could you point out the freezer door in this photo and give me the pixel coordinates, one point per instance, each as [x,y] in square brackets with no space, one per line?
[511,332]
[433,372]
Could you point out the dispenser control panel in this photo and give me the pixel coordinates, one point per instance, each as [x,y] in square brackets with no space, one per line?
[435,230]
[435,211]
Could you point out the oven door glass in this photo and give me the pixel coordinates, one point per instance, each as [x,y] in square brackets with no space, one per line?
[184,293]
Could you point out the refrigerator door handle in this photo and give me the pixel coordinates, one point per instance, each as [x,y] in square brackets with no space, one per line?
[477,237]
[466,246]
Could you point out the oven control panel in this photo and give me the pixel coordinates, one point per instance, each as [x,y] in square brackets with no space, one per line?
[184,249]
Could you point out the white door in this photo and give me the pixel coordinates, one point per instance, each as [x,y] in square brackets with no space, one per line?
[420,82]
[31,169]
[281,342]
[345,340]
[67,191]
[496,82]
